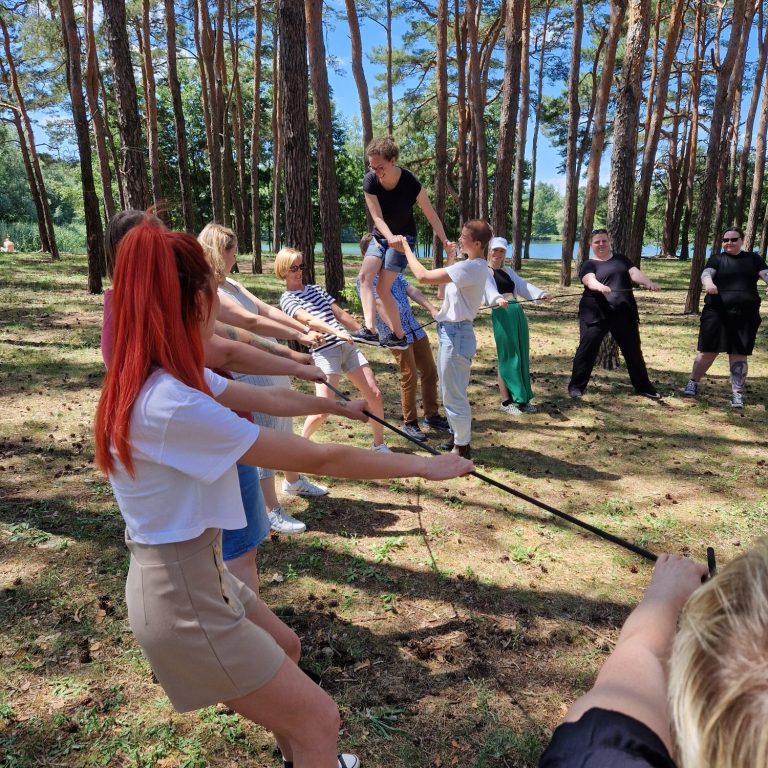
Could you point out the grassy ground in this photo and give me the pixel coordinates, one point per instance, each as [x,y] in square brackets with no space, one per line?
[452,623]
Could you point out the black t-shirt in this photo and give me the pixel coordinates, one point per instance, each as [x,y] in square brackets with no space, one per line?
[736,279]
[396,204]
[614,273]
[602,738]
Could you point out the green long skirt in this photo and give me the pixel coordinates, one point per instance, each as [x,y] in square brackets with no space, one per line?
[510,330]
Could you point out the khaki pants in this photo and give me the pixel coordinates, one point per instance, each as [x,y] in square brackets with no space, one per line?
[417,362]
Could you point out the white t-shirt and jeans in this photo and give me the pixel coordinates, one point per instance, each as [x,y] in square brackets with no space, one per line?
[457,344]
[188,613]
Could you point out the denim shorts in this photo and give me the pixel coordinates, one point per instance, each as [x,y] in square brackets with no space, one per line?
[237,543]
[394,260]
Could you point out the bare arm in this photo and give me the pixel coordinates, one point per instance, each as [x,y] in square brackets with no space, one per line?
[280,401]
[590,281]
[281,450]
[420,272]
[641,278]
[242,358]
[234,314]
[634,679]
[707,280]
[415,295]
[431,215]
[320,326]
[378,217]
[253,339]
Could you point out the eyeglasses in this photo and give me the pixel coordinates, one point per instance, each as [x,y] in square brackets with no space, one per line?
[731,239]
[296,268]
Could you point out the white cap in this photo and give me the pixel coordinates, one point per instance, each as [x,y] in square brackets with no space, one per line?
[498,242]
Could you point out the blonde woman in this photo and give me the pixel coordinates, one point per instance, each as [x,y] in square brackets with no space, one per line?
[694,698]
[337,353]
[240,307]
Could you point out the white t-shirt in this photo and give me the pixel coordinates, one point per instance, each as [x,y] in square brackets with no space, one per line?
[464,295]
[184,447]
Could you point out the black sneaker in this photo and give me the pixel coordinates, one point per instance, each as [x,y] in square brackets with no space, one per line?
[393,342]
[366,336]
[411,428]
[437,422]
[465,451]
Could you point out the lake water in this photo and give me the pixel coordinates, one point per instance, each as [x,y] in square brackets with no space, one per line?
[542,250]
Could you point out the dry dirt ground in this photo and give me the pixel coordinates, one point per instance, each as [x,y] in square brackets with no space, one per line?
[453,623]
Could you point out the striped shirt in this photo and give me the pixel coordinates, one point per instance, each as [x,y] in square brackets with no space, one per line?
[317,302]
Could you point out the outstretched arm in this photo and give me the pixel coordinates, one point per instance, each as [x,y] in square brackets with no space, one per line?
[641,278]
[634,679]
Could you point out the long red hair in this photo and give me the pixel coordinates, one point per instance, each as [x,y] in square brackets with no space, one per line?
[163,288]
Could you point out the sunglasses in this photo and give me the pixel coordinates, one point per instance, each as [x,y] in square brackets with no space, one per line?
[296,268]
[731,239]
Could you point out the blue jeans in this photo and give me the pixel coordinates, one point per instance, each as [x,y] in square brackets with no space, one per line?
[394,260]
[237,543]
[457,347]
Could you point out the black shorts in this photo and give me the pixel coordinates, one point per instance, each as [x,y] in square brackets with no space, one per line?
[601,738]
[729,329]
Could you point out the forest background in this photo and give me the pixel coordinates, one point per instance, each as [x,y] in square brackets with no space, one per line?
[222,110]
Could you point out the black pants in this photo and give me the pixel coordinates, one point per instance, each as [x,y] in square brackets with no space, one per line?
[624,328]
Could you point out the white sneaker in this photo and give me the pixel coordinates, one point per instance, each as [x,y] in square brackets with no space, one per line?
[349,761]
[510,409]
[737,400]
[383,448]
[302,487]
[281,522]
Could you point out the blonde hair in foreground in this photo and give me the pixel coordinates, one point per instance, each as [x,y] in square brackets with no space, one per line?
[718,680]
[284,259]
[215,240]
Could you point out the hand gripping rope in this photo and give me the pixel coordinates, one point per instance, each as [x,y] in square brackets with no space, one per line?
[645,553]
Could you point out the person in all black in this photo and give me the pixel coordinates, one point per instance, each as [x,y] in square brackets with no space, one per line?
[731,314]
[608,305]
[390,194]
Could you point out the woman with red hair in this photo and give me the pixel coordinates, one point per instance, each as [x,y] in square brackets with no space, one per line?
[166,438]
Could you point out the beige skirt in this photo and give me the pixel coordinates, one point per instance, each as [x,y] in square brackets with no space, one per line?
[190,617]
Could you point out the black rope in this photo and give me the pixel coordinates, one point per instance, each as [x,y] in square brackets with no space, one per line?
[647,554]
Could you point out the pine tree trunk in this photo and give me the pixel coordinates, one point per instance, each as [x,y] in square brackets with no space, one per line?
[256,142]
[476,110]
[180,132]
[132,166]
[522,129]
[722,106]
[758,174]
[49,241]
[277,138]
[441,130]
[505,150]
[618,8]
[462,114]
[242,210]
[570,203]
[653,131]
[326,162]
[746,147]
[536,126]
[150,102]
[299,232]
[94,231]
[625,126]
[99,127]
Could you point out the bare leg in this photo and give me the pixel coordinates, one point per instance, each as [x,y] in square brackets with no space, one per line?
[503,391]
[268,490]
[388,303]
[370,268]
[702,364]
[313,423]
[365,381]
[739,368]
[304,719]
